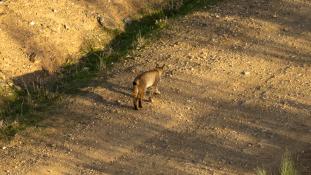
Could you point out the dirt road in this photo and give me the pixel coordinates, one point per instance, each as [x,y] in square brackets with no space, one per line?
[235,95]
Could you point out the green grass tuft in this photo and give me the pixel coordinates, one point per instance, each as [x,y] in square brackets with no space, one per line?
[287,165]
[261,172]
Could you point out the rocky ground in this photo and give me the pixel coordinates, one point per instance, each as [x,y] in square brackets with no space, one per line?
[236,94]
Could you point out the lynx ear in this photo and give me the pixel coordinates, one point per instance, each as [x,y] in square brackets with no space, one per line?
[163,66]
[157,65]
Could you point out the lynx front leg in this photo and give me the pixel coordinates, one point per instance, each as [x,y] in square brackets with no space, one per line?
[156,91]
[150,99]
[140,103]
[135,100]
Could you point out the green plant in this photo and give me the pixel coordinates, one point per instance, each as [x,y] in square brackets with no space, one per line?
[174,5]
[261,172]
[287,165]
[161,23]
[14,116]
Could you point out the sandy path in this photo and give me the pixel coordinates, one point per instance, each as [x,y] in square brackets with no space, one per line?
[236,94]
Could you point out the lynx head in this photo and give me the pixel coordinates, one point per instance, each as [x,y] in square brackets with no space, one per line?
[159,68]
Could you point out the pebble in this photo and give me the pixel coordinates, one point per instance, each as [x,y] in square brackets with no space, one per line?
[245,73]
[86,69]
[2,76]
[128,21]
[285,29]
[32,57]
[101,21]
[66,27]
[32,23]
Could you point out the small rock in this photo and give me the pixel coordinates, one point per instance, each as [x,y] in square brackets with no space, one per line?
[52,145]
[101,20]
[32,57]
[32,23]
[66,27]
[4,147]
[292,56]
[260,145]
[285,29]
[10,83]
[86,69]
[2,76]
[127,21]
[240,102]
[282,102]
[246,73]
[177,90]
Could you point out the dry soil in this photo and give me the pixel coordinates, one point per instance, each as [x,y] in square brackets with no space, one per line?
[236,94]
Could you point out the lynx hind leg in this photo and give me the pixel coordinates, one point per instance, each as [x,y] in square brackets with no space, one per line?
[141,97]
[135,100]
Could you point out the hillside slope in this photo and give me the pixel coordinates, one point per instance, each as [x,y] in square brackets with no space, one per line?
[37,34]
